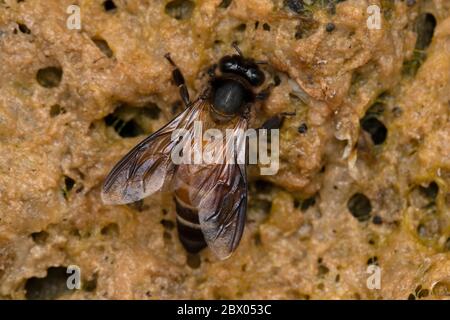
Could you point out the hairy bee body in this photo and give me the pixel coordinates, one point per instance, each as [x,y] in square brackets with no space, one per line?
[210,199]
[188,223]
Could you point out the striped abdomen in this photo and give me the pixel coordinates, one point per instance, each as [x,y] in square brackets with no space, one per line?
[188,224]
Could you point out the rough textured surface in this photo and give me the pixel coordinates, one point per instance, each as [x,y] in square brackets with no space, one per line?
[72,102]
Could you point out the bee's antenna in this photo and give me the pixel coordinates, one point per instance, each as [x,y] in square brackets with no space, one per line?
[235,46]
[167,56]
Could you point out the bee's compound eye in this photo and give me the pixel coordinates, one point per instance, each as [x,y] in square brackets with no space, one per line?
[255,76]
[230,64]
[246,69]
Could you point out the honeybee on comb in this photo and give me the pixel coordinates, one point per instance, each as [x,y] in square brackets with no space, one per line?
[211,199]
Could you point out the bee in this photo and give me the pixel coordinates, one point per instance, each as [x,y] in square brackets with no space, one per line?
[210,199]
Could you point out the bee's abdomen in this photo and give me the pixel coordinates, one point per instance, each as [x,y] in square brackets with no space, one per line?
[188,225]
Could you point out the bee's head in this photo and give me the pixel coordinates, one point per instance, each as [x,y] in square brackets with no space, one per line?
[242,67]
[233,90]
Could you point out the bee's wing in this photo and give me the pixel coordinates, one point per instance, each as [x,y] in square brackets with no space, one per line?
[222,212]
[220,194]
[146,168]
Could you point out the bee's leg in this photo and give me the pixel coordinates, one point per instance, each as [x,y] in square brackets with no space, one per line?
[265,93]
[178,78]
[212,70]
[276,121]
